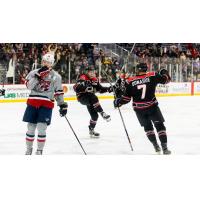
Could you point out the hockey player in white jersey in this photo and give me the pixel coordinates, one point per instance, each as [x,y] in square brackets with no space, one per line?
[45,85]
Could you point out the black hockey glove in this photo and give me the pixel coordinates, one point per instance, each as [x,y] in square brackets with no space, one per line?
[63,109]
[2,92]
[42,72]
[116,103]
[164,72]
[110,89]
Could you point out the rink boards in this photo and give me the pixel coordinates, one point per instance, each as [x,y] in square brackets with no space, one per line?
[19,93]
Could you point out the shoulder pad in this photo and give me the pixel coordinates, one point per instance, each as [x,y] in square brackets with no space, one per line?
[95,79]
[151,74]
[129,79]
[122,76]
[84,77]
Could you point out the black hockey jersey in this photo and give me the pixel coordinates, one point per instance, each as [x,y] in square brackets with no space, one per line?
[120,86]
[142,88]
[84,81]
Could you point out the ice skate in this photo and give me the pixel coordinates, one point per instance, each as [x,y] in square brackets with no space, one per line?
[157,148]
[39,152]
[105,116]
[93,134]
[166,151]
[29,151]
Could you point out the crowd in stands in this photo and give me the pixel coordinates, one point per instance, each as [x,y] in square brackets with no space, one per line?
[172,50]
[169,55]
[77,56]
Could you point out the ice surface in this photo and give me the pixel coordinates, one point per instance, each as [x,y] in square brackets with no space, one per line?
[182,115]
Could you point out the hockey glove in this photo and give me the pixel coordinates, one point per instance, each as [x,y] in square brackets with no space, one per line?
[164,72]
[42,72]
[2,92]
[63,109]
[116,103]
[110,89]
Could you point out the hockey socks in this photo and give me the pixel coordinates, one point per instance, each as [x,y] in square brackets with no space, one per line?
[152,138]
[92,123]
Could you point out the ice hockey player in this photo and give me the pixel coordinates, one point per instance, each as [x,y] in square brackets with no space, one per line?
[85,88]
[141,89]
[45,85]
[120,84]
[2,92]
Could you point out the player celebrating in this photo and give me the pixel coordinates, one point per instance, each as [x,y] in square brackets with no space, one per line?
[120,84]
[85,89]
[2,92]
[141,89]
[45,84]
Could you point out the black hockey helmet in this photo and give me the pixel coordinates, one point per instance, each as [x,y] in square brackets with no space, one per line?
[141,67]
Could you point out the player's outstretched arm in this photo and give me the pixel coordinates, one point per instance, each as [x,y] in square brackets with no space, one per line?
[59,96]
[126,98]
[164,76]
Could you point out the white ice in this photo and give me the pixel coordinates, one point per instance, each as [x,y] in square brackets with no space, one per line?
[182,123]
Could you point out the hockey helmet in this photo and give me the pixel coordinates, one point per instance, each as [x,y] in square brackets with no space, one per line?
[141,67]
[48,57]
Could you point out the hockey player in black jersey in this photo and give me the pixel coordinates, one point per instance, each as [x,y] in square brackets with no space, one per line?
[85,88]
[120,84]
[141,89]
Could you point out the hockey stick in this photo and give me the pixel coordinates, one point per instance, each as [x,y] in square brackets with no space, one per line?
[129,54]
[108,77]
[75,135]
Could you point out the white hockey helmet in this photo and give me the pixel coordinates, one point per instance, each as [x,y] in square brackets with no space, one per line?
[48,57]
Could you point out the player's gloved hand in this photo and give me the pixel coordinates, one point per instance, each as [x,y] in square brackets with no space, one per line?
[94,83]
[89,89]
[164,72]
[42,72]
[2,92]
[110,89]
[63,109]
[116,103]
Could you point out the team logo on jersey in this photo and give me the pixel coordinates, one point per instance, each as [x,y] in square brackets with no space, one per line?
[44,85]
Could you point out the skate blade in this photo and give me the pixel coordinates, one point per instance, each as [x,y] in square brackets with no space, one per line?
[167,154]
[94,137]
[158,152]
[108,120]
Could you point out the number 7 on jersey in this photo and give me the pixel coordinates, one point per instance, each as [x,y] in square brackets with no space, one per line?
[143,87]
